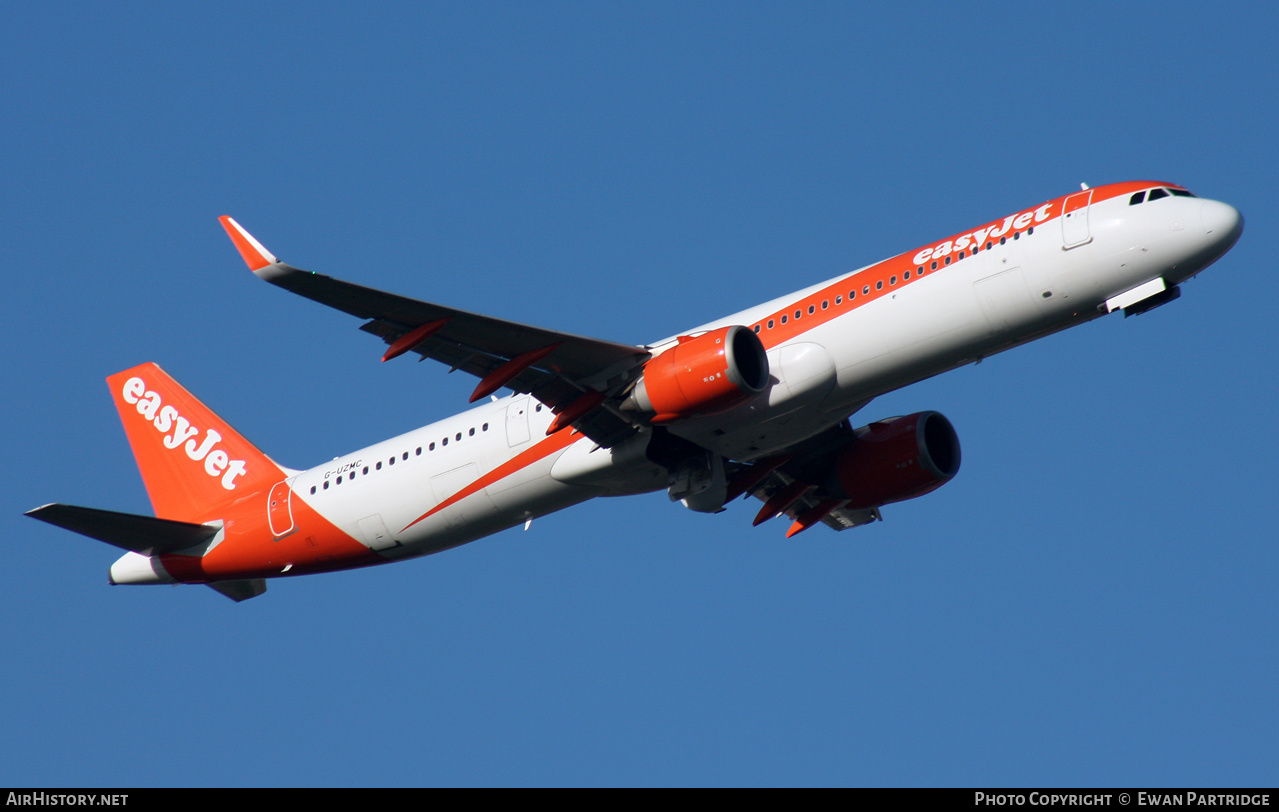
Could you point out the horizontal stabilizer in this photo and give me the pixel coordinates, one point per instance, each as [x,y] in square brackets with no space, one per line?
[240,590]
[141,534]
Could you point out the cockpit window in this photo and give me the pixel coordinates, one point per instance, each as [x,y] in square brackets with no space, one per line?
[1155,194]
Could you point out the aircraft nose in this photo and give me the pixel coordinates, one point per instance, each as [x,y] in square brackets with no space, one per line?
[1222,223]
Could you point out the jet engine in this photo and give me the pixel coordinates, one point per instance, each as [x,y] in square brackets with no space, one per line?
[704,374]
[896,459]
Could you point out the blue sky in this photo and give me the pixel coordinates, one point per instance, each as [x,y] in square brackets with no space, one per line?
[1090,602]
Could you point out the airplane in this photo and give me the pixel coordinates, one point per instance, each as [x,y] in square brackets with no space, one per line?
[756,404]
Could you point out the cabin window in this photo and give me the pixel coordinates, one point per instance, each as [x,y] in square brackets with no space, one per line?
[879,285]
[431,447]
[865,290]
[798,313]
[313,489]
[757,328]
[839,300]
[906,276]
[470,433]
[445,441]
[825,303]
[379,465]
[892,280]
[326,485]
[418,453]
[783,319]
[934,265]
[366,470]
[484,427]
[811,308]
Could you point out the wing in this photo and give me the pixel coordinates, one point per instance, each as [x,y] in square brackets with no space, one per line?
[793,484]
[559,369]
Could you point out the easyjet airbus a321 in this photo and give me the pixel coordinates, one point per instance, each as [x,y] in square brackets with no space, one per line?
[753,404]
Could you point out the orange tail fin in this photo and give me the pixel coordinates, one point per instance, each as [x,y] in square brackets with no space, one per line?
[191,461]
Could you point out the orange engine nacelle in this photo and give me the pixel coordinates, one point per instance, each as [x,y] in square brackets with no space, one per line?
[705,374]
[897,459]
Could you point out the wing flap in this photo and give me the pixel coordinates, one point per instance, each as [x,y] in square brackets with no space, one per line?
[845,519]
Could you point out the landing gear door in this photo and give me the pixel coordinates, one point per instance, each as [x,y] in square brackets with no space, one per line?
[279,511]
[1074,220]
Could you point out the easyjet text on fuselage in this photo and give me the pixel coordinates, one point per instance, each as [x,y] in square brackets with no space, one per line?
[974,239]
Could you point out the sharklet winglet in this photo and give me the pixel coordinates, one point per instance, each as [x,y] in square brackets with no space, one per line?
[255,254]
